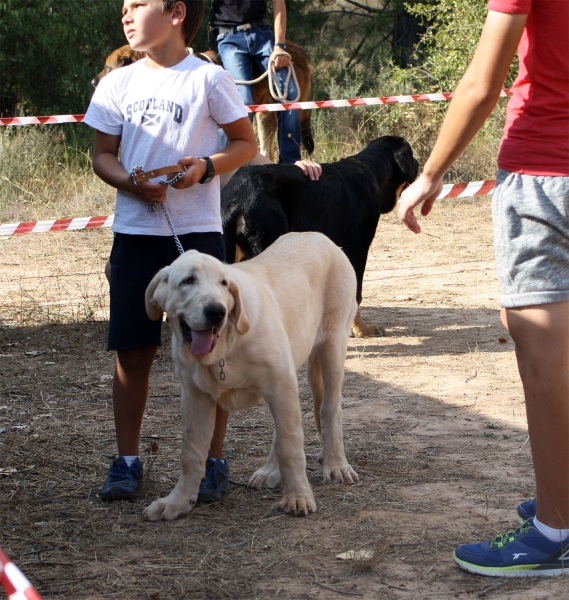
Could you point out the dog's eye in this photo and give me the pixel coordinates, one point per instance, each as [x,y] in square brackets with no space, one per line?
[189,281]
[224,282]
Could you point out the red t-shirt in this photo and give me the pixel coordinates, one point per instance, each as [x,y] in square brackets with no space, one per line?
[536,135]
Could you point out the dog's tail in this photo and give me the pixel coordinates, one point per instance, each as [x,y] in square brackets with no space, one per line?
[314,375]
[306,131]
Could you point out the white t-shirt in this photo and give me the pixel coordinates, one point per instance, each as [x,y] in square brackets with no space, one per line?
[163,115]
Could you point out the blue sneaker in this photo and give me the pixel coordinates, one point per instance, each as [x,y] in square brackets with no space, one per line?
[527,510]
[215,484]
[123,481]
[523,552]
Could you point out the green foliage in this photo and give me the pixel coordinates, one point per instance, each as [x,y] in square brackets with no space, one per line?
[441,58]
[51,49]
[449,42]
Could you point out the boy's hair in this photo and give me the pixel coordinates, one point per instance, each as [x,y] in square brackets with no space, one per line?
[194,16]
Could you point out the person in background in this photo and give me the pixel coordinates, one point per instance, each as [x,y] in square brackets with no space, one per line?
[245,41]
[531,227]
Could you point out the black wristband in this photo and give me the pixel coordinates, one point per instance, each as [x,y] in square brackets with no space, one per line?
[281,45]
[210,173]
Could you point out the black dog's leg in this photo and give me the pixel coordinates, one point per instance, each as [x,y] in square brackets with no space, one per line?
[360,328]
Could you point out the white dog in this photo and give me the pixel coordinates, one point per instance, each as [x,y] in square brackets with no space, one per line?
[240,334]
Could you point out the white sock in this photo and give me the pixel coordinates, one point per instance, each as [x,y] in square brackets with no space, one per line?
[553,535]
[130,459]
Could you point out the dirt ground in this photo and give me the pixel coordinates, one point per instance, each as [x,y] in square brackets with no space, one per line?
[434,425]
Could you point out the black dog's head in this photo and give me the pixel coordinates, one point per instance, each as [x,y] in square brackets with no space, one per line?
[391,159]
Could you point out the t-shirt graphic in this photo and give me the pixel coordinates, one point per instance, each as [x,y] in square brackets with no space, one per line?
[163,115]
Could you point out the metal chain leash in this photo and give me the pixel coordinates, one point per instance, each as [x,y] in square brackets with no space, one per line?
[152,205]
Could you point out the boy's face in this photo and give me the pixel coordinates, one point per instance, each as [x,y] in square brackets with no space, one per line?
[146,27]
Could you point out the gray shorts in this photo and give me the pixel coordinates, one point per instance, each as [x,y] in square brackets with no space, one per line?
[531,238]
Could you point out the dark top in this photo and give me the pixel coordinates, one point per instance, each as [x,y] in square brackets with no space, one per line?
[236,12]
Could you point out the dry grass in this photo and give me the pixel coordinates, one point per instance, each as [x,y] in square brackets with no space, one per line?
[433,425]
[42,177]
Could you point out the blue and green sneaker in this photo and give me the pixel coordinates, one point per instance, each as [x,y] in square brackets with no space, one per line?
[527,510]
[523,552]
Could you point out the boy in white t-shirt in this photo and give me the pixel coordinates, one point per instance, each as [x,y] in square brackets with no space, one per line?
[163,110]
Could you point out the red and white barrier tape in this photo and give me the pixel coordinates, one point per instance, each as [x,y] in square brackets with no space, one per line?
[14,581]
[56,225]
[463,190]
[451,190]
[441,97]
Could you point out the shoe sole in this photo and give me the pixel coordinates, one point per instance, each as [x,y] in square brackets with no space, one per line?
[125,496]
[119,495]
[515,571]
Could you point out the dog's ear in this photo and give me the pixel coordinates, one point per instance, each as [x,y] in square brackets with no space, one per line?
[406,162]
[157,294]
[242,323]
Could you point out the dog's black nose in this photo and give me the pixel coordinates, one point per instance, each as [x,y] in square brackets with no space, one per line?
[215,313]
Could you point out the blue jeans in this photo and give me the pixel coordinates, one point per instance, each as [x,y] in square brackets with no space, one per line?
[242,50]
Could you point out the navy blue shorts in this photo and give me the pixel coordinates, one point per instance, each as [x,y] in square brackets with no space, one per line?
[135,259]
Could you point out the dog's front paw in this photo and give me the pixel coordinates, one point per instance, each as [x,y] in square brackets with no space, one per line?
[338,473]
[265,477]
[166,509]
[364,330]
[299,504]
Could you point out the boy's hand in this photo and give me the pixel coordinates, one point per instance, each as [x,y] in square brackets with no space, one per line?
[149,192]
[195,170]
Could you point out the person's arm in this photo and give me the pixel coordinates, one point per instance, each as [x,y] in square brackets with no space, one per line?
[308,167]
[107,166]
[242,147]
[279,10]
[475,97]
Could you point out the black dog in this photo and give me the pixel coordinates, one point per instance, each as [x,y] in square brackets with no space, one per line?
[261,203]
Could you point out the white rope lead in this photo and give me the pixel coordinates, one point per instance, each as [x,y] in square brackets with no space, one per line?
[271,73]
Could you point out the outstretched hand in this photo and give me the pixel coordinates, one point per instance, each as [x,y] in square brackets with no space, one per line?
[423,191]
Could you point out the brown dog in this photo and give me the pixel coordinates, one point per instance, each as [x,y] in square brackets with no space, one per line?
[266,121]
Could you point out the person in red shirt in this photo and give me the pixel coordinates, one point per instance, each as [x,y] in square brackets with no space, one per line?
[531,224]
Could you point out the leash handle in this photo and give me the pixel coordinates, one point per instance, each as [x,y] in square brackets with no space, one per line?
[147,175]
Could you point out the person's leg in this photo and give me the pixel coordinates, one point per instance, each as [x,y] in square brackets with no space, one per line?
[130,392]
[135,338]
[216,447]
[289,135]
[532,258]
[216,481]
[541,335]
[236,58]
[232,49]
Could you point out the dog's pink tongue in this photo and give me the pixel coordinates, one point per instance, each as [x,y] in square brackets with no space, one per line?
[201,342]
